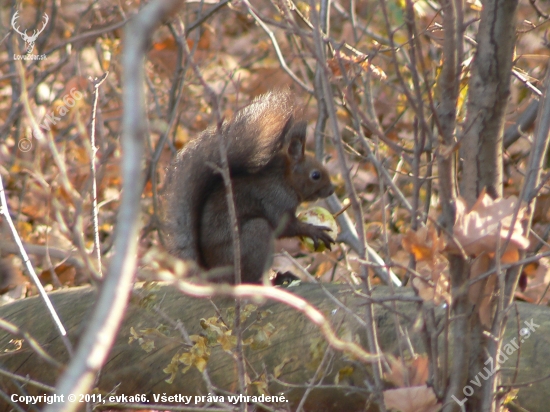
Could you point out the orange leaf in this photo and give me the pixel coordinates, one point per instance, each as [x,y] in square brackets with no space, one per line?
[166,44]
[65,274]
[424,244]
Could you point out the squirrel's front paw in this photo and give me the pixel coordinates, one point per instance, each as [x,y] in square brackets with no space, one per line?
[319,233]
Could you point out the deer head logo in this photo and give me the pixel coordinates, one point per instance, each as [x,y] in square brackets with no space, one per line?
[29,39]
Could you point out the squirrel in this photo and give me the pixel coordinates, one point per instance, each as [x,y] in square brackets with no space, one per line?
[270,174]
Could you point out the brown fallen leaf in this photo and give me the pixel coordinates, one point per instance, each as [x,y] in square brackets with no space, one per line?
[413,399]
[537,280]
[433,284]
[349,62]
[424,244]
[488,223]
[410,372]
[481,292]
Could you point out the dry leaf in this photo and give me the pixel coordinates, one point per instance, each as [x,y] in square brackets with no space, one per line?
[414,399]
[538,278]
[542,208]
[344,374]
[481,292]
[433,284]
[489,222]
[10,277]
[412,372]
[164,55]
[278,370]
[424,244]
[197,356]
[475,5]
[348,62]
[65,274]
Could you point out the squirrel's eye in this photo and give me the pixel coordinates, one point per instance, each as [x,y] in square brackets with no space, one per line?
[315,175]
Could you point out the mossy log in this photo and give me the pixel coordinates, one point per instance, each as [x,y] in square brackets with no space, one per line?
[290,348]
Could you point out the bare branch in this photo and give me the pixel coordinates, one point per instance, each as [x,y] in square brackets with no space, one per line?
[105,320]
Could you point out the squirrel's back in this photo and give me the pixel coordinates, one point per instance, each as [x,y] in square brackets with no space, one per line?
[252,137]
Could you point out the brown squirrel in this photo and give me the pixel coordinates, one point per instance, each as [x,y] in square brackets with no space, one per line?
[271,175]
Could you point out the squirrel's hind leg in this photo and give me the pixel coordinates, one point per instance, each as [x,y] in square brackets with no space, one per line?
[256,253]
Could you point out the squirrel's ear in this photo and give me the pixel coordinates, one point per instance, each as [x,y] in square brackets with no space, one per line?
[296,138]
[285,133]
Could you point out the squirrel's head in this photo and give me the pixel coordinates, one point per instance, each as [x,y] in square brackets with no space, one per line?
[309,177]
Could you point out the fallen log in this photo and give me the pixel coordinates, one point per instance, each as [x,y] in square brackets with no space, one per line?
[283,349]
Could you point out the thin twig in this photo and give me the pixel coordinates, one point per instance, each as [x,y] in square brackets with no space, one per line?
[95,210]
[277,49]
[4,210]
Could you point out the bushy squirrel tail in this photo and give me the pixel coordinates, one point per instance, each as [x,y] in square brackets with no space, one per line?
[252,137]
